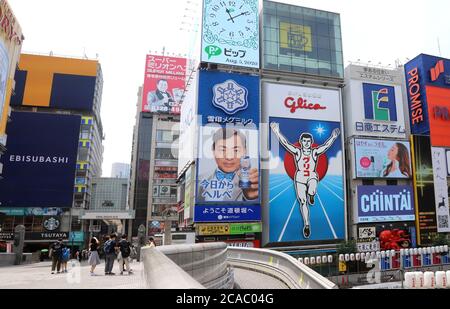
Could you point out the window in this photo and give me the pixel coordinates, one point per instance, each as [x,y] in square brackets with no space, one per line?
[368,182]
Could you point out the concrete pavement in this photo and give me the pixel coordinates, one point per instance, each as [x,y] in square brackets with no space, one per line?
[247,279]
[38,276]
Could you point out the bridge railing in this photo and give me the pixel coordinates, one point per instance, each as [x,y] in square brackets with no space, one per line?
[279,265]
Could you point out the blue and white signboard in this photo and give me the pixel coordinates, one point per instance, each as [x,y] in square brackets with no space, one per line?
[230,32]
[228,152]
[385,204]
[246,213]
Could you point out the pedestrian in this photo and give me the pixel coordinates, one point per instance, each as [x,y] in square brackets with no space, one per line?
[110,249]
[56,254]
[151,242]
[94,258]
[65,257]
[124,255]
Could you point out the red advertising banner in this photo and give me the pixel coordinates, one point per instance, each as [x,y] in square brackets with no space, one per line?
[164,84]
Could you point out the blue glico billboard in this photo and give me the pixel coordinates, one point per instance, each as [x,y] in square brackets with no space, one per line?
[228,174]
[39,164]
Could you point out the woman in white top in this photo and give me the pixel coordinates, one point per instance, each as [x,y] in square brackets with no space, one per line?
[400,163]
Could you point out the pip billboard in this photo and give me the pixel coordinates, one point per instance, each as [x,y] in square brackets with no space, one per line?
[39,165]
[385,204]
[382,159]
[164,84]
[228,154]
[230,32]
[306,178]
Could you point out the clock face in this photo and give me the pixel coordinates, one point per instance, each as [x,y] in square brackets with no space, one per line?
[232,22]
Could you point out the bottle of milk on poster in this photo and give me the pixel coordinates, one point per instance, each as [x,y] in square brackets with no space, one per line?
[244,179]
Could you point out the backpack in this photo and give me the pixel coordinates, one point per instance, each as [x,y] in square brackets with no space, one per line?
[125,249]
[109,247]
[65,254]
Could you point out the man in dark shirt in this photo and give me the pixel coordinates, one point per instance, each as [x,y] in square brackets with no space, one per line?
[56,254]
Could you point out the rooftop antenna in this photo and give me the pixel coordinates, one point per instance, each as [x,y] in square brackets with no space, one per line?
[439,47]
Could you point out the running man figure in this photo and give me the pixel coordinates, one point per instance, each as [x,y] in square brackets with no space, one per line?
[306,178]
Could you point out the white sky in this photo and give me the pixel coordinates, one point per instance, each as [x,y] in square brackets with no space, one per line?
[123,32]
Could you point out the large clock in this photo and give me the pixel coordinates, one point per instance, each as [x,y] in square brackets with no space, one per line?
[232,28]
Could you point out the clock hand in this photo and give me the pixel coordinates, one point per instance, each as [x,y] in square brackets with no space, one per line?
[245,13]
[229,14]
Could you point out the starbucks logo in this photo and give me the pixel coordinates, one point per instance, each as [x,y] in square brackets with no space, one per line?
[51,224]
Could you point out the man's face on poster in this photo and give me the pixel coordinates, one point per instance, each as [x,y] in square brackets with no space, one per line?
[228,153]
[163,86]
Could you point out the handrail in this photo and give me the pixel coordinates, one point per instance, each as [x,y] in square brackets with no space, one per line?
[280,265]
[160,272]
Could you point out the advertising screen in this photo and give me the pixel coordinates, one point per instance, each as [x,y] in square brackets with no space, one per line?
[382,159]
[299,39]
[306,178]
[441,189]
[230,33]
[39,165]
[439,115]
[424,189]
[385,204]
[164,84]
[228,154]
[4,72]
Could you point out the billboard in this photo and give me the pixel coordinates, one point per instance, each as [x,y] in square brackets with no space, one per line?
[298,39]
[228,156]
[230,32]
[424,189]
[439,115]
[382,159]
[54,82]
[441,189]
[164,84]
[385,204]
[306,178]
[39,165]
[188,125]
[374,102]
[4,74]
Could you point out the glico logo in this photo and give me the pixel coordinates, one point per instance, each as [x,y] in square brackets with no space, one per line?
[301,103]
[379,102]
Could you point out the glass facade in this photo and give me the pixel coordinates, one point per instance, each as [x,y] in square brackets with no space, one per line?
[301,40]
[142,170]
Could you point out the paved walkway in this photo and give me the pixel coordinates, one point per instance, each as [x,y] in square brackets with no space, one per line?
[38,276]
[253,280]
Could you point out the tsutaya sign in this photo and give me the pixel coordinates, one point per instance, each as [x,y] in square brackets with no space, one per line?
[385,204]
[374,102]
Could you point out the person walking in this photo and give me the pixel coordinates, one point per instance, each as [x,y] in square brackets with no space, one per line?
[124,255]
[65,257]
[110,254]
[94,258]
[56,254]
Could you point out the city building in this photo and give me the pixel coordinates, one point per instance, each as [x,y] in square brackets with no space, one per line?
[120,170]
[378,159]
[284,86]
[109,211]
[11,39]
[56,114]
[428,91]
[153,187]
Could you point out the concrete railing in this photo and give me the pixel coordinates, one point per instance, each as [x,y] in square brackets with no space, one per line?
[280,266]
[160,272]
[8,259]
[187,267]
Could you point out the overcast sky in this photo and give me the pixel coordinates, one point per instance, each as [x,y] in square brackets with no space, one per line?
[121,33]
